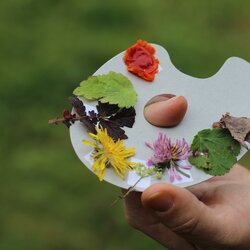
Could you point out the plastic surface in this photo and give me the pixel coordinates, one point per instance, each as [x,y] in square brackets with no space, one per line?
[226,91]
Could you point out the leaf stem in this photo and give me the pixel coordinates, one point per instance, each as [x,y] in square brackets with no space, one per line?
[62,119]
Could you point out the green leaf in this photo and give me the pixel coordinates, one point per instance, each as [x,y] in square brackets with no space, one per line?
[214,150]
[113,88]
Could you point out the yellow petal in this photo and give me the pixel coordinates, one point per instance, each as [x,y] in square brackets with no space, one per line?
[99,167]
[90,143]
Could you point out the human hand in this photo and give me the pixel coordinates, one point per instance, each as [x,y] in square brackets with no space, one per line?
[211,215]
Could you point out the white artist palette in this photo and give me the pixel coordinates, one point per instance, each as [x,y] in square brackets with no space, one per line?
[226,91]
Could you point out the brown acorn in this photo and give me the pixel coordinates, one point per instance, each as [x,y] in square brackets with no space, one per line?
[165,110]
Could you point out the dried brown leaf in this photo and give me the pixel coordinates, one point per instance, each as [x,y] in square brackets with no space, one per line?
[239,127]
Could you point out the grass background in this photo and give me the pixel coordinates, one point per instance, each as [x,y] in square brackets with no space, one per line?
[48,199]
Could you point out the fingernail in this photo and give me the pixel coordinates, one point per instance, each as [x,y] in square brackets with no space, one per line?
[160,202]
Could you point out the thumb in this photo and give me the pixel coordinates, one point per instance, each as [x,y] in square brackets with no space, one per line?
[180,211]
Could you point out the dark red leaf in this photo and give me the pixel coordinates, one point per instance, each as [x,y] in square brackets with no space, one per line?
[109,116]
[113,130]
[106,109]
[78,106]
[124,118]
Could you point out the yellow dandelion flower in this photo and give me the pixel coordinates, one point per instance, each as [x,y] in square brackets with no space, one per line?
[109,153]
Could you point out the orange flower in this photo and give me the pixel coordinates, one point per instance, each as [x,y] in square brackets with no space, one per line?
[141,61]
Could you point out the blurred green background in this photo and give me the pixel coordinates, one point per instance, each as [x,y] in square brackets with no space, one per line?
[48,199]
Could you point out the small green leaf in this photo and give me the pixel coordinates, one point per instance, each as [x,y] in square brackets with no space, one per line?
[113,88]
[214,150]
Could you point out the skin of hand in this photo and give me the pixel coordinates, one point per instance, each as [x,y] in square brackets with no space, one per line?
[214,214]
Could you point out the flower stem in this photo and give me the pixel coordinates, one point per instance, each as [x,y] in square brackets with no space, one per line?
[183,173]
[122,197]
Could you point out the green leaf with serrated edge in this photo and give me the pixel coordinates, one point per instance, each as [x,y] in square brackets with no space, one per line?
[200,162]
[113,88]
[214,150]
